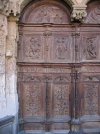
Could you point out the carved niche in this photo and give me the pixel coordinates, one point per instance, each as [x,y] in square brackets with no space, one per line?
[90,47]
[46,13]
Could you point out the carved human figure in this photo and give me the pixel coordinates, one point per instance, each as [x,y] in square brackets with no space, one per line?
[34,48]
[61,48]
[91,48]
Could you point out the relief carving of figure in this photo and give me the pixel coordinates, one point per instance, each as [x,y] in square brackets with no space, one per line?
[61,48]
[33,50]
[91,48]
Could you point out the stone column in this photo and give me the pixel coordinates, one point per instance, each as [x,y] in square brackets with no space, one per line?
[11,67]
[3,34]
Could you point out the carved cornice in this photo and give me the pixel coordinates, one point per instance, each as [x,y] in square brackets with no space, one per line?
[78,13]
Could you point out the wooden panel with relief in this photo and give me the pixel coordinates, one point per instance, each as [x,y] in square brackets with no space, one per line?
[90,46]
[50,45]
[89,90]
[46,12]
[58,68]
[44,93]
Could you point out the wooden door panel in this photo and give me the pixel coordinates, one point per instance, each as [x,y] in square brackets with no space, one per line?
[60,94]
[32,93]
[90,101]
[48,45]
[62,47]
[90,48]
[44,97]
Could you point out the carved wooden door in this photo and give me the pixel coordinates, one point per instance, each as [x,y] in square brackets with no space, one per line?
[57,85]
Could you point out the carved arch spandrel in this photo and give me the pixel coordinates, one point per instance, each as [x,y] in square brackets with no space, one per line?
[93,12]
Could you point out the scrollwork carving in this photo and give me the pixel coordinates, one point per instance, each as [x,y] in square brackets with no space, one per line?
[94,16]
[32,104]
[91,98]
[61,100]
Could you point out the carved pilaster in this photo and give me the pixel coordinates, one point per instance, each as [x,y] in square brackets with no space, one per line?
[79,13]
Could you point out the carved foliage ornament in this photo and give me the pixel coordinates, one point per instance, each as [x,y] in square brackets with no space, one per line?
[46,14]
[91,98]
[94,16]
[78,14]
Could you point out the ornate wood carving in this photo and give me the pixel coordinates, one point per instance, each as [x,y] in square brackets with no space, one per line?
[93,16]
[61,47]
[46,13]
[91,99]
[51,53]
[90,46]
[91,95]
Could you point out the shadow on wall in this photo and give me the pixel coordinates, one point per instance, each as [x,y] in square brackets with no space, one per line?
[7,125]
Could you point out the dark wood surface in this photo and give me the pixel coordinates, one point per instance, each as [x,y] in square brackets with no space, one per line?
[58,68]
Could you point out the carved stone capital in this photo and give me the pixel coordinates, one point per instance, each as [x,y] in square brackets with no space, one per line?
[79,13]
[8,7]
